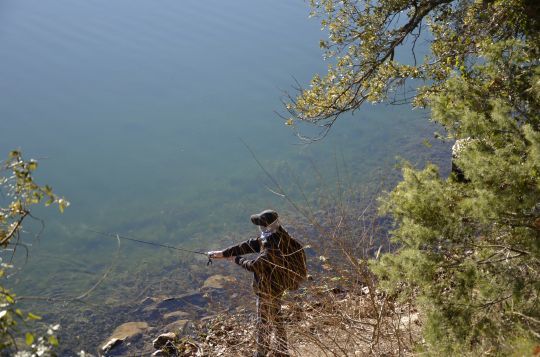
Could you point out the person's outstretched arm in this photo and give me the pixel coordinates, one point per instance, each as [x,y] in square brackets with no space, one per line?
[247,247]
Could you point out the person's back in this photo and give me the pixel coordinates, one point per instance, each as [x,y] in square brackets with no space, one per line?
[294,261]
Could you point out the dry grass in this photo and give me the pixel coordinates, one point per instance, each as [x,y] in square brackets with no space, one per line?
[339,312]
[324,319]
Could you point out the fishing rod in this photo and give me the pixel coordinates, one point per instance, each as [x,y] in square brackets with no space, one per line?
[105,234]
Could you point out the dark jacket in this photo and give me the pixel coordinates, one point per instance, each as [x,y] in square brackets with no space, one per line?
[268,266]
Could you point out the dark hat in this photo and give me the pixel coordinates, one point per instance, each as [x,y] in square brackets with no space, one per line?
[264,218]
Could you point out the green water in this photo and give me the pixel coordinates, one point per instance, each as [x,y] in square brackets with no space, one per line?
[138,110]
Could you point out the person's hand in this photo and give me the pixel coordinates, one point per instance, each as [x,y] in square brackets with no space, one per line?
[218,254]
[215,254]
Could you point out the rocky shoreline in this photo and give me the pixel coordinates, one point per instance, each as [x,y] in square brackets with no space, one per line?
[327,316]
[159,320]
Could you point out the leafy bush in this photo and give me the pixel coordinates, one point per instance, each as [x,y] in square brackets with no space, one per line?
[473,247]
[18,186]
[469,246]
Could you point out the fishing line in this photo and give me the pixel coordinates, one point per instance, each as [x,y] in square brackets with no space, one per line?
[105,234]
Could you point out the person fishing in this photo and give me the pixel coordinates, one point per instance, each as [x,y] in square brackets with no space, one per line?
[279,266]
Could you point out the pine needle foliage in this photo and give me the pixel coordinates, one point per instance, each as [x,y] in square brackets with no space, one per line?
[469,249]
[473,248]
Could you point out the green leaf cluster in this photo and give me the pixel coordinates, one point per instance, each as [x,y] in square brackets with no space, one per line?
[469,249]
[17,184]
[13,322]
[472,249]
[364,37]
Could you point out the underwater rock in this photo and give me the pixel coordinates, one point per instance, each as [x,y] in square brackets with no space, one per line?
[146,309]
[194,299]
[149,313]
[177,327]
[170,308]
[162,339]
[147,301]
[175,315]
[218,281]
[129,330]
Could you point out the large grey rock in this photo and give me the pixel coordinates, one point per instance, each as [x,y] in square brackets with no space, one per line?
[218,281]
[459,146]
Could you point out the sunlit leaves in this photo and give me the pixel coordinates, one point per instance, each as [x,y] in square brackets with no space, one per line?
[14,154]
[32,165]
[469,250]
[364,36]
[62,204]
[53,340]
[17,185]
[29,338]
[31,316]
[39,338]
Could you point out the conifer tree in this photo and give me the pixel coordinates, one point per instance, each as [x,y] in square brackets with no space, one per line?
[473,248]
[468,247]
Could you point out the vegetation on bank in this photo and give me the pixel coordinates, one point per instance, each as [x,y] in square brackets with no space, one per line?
[469,247]
[19,193]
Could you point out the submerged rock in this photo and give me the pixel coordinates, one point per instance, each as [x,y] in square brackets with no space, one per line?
[147,301]
[171,308]
[218,281]
[189,300]
[128,331]
[150,313]
[175,315]
[177,327]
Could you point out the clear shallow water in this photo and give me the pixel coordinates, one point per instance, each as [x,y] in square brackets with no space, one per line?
[138,109]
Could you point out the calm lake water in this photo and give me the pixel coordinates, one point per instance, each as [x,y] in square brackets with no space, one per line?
[137,111]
